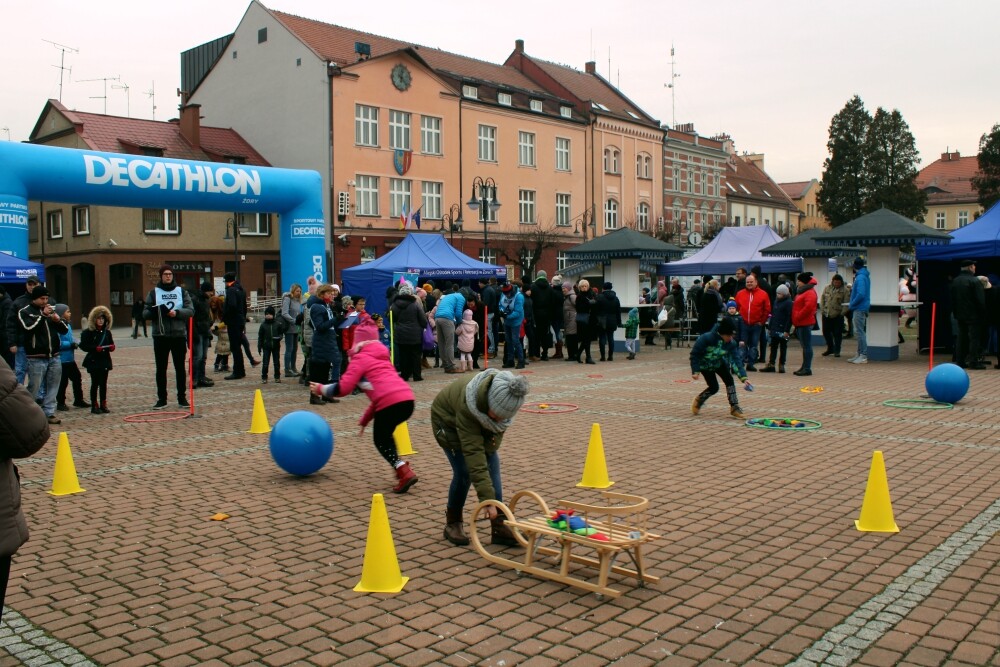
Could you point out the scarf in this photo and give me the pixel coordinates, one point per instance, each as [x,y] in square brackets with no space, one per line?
[471,394]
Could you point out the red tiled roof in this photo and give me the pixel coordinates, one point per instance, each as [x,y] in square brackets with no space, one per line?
[795,190]
[114,134]
[336,43]
[949,181]
[742,172]
[594,88]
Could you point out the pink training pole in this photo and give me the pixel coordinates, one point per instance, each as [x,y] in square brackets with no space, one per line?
[486,338]
[933,317]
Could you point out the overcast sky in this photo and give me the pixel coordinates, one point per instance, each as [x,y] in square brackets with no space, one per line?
[770,73]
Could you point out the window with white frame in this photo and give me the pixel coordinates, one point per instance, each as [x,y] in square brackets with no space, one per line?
[368,253]
[752,222]
[677,214]
[565,111]
[562,260]
[963,218]
[536,105]
[562,209]
[611,157]
[430,192]
[399,197]
[430,135]
[399,130]
[160,221]
[81,221]
[677,178]
[642,217]
[488,255]
[365,125]
[562,154]
[939,220]
[472,92]
[487,143]
[526,207]
[55,220]
[504,99]
[643,165]
[611,214]
[697,182]
[254,224]
[526,149]
[690,179]
[366,195]
[692,220]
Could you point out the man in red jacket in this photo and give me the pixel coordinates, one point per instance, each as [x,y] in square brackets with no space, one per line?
[755,307]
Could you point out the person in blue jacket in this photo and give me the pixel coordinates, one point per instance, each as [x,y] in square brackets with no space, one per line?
[512,309]
[861,292]
[449,313]
[67,357]
[715,353]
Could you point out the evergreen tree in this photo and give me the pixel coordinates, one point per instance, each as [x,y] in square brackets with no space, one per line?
[987,181]
[843,190]
[891,167]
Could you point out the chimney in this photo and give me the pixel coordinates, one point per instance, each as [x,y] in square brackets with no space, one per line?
[949,156]
[756,159]
[191,124]
[519,45]
[590,67]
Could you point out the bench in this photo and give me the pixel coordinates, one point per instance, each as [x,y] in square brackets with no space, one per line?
[669,331]
[621,520]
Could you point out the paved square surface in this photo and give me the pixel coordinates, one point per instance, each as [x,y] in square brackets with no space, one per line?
[759,558]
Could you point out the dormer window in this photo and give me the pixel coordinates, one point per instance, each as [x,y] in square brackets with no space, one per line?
[472,92]
[536,105]
[504,99]
[565,111]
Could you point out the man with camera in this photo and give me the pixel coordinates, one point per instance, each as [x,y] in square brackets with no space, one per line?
[40,327]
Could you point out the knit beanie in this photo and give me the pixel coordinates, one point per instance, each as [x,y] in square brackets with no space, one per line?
[467,315]
[405,289]
[726,327]
[207,287]
[367,330]
[61,309]
[731,304]
[166,267]
[506,394]
[38,292]
[859,262]
[805,277]
[783,290]
[269,311]
[541,274]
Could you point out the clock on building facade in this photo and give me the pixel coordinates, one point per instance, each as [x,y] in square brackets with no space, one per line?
[401,77]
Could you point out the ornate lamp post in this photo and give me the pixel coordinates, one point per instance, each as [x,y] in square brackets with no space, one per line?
[587,218]
[484,194]
[454,219]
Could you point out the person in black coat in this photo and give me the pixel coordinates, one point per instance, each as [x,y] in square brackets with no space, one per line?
[968,304]
[710,306]
[491,300]
[234,314]
[586,317]
[408,324]
[542,297]
[138,307]
[609,320]
[96,340]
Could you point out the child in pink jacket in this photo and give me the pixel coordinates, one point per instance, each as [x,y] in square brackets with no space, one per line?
[466,332]
[391,398]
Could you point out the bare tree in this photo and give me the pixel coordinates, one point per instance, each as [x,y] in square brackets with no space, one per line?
[526,246]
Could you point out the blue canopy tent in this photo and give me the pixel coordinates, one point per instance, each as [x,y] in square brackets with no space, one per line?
[733,248]
[16,270]
[429,255]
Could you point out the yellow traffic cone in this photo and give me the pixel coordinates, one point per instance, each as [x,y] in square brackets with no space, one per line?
[64,481]
[402,437]
[259,423]
[380,572]
[595,471]
[876,511]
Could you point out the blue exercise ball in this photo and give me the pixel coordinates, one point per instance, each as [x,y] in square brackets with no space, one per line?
[947,383]
[301,443]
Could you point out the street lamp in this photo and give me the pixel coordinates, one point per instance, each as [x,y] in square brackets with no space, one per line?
[454,223]
[487,199]
[237,227]
[587,218]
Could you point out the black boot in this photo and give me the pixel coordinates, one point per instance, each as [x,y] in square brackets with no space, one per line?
[501,534]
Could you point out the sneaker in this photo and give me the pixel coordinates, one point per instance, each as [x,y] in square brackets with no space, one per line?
[54,420]
[278,380]
[183,403]
[160,405]
[263,380]
[736,413]
[62,407]
[695,407]
[861,359]
[852,359]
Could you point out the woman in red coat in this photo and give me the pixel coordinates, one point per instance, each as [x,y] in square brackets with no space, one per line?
[804,318]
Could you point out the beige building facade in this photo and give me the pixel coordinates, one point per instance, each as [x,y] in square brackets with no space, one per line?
[952,201]
[804,195]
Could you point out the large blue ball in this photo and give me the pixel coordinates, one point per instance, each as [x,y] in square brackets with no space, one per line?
[301,443]
[947,383]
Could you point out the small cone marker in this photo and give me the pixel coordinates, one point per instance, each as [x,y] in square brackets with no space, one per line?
[259,422]
[402,437]
[876,510]
[380,572]
[64,481]
[595,471]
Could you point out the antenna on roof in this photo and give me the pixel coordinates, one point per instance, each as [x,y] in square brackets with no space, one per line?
[62,62]
[151,94]
[104,97]
[673,89]
[128,97]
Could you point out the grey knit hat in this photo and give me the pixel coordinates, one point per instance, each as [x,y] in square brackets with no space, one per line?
[506,394]
[405,289]
[61,309]
[782,289]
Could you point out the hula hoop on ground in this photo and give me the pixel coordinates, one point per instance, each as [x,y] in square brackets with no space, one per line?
[549,408]
[811,390]
[917,404]
[758,422]
[143,417]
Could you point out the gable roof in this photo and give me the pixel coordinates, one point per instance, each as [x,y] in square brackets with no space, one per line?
[115,134]
[796,190]
[626,242]
[804,245]
[949,180]
[883,227]
[734,247]
[746,181]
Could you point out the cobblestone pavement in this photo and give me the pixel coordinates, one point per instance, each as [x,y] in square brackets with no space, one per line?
[760,560]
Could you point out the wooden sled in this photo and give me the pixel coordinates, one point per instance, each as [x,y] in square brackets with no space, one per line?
[622,520]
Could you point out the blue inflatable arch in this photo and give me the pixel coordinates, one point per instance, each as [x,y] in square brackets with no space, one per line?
[66,175]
